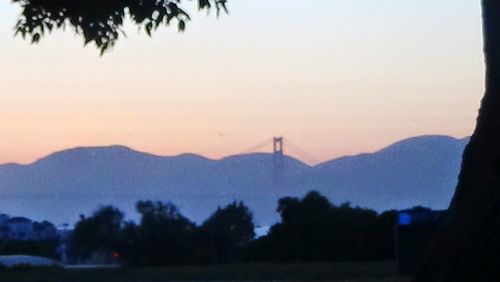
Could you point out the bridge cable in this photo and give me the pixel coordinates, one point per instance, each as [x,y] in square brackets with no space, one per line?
[254,148]
[300,152]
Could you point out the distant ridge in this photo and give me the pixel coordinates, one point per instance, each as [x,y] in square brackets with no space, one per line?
[416,171]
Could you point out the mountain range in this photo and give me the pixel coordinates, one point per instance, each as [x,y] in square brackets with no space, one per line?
[59,187]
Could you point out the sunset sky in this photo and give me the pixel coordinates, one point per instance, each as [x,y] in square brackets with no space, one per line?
[336,77]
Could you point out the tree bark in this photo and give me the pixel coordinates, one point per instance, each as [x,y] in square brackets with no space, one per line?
[467,248]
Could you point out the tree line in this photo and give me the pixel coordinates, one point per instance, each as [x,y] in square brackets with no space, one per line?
[311,229]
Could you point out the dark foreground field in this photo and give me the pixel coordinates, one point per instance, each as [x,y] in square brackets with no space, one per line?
[355,272]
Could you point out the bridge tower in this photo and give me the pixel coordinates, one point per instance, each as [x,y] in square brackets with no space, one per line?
[278,160]
[278,145]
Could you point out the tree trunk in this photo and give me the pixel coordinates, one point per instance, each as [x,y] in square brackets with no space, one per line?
[468,246]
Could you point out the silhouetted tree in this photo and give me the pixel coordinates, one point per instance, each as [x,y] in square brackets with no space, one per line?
[310,207]
[164,236]
[227,232]
[96,237]
[383,235]
[468,248]
[313,229]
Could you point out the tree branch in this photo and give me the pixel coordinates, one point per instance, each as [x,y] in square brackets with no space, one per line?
[101,21]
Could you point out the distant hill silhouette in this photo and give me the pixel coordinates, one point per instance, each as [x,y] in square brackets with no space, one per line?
[416,171]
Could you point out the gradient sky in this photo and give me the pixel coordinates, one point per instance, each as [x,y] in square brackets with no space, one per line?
[336,77]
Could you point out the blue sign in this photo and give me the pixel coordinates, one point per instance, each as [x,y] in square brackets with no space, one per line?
[404,219]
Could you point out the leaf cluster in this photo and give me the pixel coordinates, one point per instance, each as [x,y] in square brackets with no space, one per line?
[97,232]
[100,21]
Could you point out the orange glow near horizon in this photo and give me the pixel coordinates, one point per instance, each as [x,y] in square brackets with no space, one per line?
[333,78]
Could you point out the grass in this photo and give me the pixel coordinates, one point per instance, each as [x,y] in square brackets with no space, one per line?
[347,272]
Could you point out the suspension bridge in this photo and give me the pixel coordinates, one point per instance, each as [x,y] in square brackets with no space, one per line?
[278,144]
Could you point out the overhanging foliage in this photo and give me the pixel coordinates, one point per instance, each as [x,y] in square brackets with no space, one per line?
[101,21]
